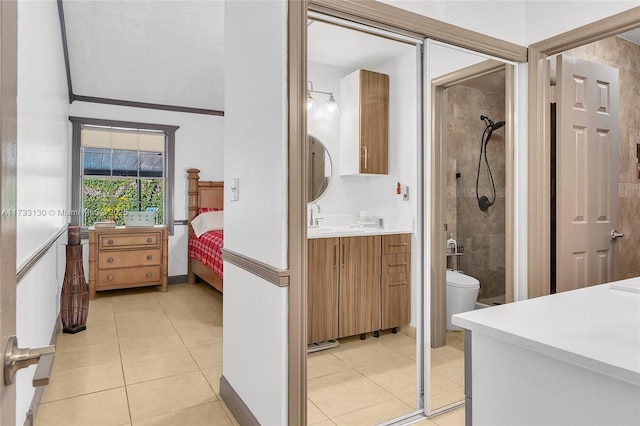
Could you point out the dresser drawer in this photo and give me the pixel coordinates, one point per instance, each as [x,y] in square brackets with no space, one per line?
[396,243]
[396,280]
[123,259]
[129,241]
[118,277]
[396,263]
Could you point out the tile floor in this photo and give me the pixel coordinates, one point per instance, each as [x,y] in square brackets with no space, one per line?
[146,358]
[151,358]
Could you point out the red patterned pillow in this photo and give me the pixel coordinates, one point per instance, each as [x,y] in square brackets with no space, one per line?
[207,209]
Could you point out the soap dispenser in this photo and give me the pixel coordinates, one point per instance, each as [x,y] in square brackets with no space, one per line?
[451,245]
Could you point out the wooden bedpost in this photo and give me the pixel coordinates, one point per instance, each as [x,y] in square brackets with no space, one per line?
[193,175]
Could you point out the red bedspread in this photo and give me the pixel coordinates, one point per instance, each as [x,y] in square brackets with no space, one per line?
[208,250]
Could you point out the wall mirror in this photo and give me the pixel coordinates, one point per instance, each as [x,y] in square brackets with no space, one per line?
[319,169]
[472,179]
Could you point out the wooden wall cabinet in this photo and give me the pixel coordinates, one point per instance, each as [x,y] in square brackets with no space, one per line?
[364,123]
[127,257]
[358,285]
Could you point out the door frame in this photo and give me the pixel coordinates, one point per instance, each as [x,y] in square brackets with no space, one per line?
[439,184]
[375,14]
[539,155]
[8,132]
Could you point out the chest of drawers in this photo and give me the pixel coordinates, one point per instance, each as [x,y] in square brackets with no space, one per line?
[127,257]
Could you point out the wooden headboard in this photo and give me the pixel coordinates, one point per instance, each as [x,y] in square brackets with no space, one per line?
[203,194]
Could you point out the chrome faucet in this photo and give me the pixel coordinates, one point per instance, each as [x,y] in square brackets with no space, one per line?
[313,223]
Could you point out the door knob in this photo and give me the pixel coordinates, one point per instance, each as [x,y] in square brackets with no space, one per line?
[16,358]
[615,234]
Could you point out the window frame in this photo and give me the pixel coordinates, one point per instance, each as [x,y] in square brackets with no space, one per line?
[76,166]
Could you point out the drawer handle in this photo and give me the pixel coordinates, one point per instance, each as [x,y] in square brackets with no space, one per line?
[149,240]
[110,260]
[398,245]
[149,274]
[110,242]
[110,277]
[149,257]
[391,265]
[398,283]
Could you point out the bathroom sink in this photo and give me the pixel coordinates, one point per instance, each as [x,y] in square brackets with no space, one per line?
[321,230]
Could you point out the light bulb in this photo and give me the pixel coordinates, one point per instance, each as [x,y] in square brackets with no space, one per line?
[311,104]
[332,108]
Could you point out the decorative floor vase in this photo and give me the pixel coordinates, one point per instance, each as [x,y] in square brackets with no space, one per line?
[75,295]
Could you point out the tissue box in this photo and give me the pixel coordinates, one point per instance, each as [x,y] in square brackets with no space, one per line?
[139,218]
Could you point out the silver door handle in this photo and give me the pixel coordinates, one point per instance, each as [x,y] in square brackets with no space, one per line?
[615,234]
[16,358]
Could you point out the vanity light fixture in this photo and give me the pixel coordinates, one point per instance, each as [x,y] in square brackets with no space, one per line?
[331,108]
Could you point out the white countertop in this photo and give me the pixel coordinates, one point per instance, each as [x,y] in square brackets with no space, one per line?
[352,231]
[595,327]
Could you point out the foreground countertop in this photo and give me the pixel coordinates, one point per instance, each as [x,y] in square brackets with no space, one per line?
[595,327]
[351,231]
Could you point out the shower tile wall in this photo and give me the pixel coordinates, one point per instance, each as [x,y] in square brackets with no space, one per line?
[481,233]
[624,55]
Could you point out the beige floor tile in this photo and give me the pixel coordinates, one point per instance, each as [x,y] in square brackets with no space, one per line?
[143,327]
[84,356]
[398,375]
[201,415]
[455,339]
[425,422]
[440,384]
[178,294]
[446,398]
[153,366]
[374,415]
[149,313]
[344,392]
[202,335]
[450,365]
[185,317]
[399,342]
[164,396]
[323,363]
[226,410]
[411,400]
[100,317]
[213,377]
[207,356]
[133,346]
[133,299]
[357,353]
[314,415]
[450,418]
[79,381]
[108,408]
[93,335]
[325,423]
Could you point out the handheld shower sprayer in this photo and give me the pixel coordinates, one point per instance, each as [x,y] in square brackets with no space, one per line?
[483,201]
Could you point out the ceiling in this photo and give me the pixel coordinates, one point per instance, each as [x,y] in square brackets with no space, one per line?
[161,52]
[171,52]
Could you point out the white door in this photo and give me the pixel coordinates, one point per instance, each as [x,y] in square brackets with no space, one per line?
[587,173]
[8,86]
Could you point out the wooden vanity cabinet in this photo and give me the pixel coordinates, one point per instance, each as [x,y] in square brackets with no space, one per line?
[127,257]
[359,308]
[322,289]
[364,123]
[396,280]
[357,285]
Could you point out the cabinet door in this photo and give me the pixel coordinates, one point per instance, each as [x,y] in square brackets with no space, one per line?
[374,122]
[396,299]
[359,285]
[322,293]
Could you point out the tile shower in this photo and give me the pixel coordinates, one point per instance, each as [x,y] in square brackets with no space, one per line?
[481,233]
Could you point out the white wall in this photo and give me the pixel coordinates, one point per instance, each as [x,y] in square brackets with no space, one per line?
[255,320]
[199,144]
[42,178]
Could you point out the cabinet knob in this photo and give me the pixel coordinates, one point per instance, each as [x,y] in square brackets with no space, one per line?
[149,257]
[110,277]
[110,242]
[110,260]
[149,240]
[149,274]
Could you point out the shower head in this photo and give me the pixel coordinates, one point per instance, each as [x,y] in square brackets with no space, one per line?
[491,124]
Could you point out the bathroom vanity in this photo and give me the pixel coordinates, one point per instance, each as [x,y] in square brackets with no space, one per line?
[567,358]
[358,282]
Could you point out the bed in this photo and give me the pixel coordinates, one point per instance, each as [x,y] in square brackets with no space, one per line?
[205,251]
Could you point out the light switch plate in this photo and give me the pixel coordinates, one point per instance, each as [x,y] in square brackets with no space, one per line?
[234,187]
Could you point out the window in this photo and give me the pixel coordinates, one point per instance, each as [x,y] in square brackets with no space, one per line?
[119,167]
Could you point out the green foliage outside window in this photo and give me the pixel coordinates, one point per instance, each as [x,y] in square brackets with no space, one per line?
[106,199]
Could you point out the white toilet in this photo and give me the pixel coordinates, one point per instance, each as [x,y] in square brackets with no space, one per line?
[462,293]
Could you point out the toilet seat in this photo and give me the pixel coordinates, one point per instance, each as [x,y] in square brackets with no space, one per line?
[460,280]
